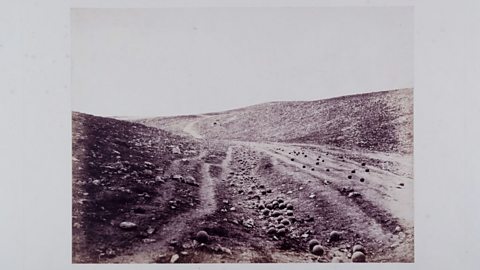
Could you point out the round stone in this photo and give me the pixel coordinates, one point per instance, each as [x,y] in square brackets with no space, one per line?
[271,230]
[358,257]
[334,236]
[282,231]
[318,250]
[358,247]
[285,222]
[312,243]
[289,213]
[265,212]
[289,206]
[276,214]
[202,237]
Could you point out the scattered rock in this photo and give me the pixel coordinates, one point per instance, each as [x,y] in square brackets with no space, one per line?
[110,253]
[174,258]
[127,225]
[150,230]
[354,194]
[249,223]
[177,177]
[149,240]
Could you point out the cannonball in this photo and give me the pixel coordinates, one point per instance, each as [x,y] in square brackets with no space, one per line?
[289,206]
[285,222]
[358,247]
[269,206]
[276,214]
[358,257]
[265,212]
[280,200]
[318,250]
[289,213]
[334,236]
[312,243]
[271,230]
[282,231]
[282,205]
[202,237]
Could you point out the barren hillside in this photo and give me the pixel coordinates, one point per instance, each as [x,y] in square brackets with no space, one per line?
[379,121]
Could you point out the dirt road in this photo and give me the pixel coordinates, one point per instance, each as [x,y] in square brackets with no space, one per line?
[258,202]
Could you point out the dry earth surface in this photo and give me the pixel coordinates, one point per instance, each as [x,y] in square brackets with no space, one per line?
[258,183]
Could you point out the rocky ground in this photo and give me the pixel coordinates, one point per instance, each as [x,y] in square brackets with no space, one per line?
[146,195]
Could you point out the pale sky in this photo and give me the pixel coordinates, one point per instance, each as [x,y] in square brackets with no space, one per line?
[159,62]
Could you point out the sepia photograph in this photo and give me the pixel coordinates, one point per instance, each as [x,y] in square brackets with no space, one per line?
[242,135]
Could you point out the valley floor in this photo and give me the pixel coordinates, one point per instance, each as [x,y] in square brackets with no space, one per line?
[260,203]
